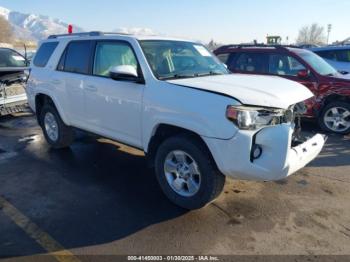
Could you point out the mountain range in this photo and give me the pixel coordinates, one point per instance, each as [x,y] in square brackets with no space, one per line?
[36,27]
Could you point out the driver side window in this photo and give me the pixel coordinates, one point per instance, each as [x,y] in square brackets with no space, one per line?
[112,54]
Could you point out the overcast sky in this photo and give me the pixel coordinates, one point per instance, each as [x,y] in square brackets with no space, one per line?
[225,21]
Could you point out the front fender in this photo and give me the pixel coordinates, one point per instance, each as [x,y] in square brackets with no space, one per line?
[195,110]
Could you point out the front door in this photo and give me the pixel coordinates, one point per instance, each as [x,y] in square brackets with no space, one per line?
[113,108]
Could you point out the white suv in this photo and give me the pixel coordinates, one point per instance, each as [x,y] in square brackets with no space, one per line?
[175,101]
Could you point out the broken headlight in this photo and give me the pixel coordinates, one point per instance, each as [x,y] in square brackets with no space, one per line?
[253,118]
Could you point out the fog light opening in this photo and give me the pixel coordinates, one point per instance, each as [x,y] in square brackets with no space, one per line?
[256,152]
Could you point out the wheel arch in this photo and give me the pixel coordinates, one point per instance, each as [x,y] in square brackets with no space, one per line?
[334,98]
[163,131]
[41,99]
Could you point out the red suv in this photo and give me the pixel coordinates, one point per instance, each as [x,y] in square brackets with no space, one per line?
[331,103]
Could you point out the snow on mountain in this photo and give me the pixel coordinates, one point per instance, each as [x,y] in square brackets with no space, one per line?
[37,27]
[135,31]
[34,27]
[4,12]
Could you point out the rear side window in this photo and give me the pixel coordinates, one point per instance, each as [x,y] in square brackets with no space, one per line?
[76,58]
[44,53]
[250,63]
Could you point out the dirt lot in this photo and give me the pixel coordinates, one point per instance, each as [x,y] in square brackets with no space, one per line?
[98,197]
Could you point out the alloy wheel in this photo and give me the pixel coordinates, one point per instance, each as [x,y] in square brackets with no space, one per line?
[182,173]
[51,126]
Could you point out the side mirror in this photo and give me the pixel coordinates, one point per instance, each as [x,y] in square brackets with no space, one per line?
[303,74]
[124,72]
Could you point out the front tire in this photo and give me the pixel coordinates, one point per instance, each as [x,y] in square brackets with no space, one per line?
[186,172]
[335,118]
[56,132]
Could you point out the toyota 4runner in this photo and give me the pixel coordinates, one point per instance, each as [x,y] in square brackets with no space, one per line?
[171,98]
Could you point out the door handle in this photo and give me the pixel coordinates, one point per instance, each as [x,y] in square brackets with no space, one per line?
[91,88]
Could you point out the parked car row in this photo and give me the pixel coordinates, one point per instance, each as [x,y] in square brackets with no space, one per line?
[331,102]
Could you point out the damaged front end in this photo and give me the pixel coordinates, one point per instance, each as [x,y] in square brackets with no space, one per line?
[298,137]
[13,98]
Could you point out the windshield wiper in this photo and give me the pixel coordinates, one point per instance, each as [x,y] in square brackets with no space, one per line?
[176,76]
[181,76]
[211,73]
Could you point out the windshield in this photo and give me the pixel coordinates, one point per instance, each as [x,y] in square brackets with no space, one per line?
[10,58]
[177,59]
[318,64]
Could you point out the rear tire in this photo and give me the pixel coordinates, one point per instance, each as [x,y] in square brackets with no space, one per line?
[56,132]
[190,190]
[335,118]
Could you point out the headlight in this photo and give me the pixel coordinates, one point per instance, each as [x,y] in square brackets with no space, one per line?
[252,118]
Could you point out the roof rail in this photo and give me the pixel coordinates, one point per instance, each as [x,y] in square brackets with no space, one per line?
[282,47]
[82,34]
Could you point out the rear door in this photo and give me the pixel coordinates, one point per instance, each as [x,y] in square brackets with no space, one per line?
[249,63]
[72,70]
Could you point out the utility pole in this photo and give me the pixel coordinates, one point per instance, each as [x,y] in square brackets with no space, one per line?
[329,29]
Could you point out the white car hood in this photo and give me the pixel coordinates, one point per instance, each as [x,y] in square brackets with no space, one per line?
[269,91]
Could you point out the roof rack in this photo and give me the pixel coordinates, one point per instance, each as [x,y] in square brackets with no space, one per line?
[282,47]
[82,34]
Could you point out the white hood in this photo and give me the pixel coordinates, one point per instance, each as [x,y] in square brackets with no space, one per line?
[269,91]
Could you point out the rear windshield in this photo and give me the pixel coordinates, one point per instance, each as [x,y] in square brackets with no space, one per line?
[10,58]
[44,53]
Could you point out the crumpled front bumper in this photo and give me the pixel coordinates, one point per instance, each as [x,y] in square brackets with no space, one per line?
[278,159]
